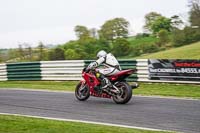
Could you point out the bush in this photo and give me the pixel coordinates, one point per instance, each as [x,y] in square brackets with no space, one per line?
[135,50]
[144,48]
[150,48]
[142,35]
[57,54]
[121,47]
[191,35]
[186,36]
[71,54]
[163,37]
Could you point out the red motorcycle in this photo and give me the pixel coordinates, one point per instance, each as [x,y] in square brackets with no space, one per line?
[120,92]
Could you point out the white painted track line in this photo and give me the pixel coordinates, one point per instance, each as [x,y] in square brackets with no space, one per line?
[82,121]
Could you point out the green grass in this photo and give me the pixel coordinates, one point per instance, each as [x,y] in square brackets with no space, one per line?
[191,51]
[143,40]
[165,89]
[46,85]
[16,124]
[160,89]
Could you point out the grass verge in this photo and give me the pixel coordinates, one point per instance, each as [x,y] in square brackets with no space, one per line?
[166,89]
[46,85]
[185,52]
[16,124]
[160,89]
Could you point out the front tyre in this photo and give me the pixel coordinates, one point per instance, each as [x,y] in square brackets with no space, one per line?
[125,93]
[82,91]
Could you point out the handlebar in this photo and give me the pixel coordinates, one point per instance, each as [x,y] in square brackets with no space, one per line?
[87,70]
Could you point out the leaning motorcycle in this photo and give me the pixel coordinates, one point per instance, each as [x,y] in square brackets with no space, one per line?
[90,85]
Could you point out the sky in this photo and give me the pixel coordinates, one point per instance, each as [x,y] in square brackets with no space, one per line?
[53,21]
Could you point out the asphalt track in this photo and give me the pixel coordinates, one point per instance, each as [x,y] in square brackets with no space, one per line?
[158,113]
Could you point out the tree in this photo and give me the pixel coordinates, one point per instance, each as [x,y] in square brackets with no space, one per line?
[82,32]
[186,36]
[41,51]
[30,53]
[194,12]
[20,51]
[161,23]
[163,37]
[149,19]
[51,55]
[94,33]
[178,38]
[57,54]
[114,28]
[27,51]
[1,58]
[121,47]
[13,53]
[71,54]
[176,22]
[154,22]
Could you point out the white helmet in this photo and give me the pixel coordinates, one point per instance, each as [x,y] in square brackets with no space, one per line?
[101,53]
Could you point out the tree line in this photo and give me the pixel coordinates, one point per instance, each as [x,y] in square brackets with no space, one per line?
[113,36]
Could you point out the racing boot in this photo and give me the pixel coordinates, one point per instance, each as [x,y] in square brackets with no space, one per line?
[106,83]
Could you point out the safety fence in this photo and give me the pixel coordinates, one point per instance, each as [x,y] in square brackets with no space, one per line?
[24,71]
[3,72]
[71,70]
[61,70]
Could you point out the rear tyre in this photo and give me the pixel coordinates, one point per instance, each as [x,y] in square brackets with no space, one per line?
[82,92]
[125,93]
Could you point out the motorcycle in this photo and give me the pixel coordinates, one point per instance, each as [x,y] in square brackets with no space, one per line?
[90,85]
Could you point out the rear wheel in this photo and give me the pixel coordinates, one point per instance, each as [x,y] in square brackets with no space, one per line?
[125,93]
[82,92]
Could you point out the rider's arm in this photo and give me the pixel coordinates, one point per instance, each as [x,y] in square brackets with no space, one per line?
[100,61]
[96,63]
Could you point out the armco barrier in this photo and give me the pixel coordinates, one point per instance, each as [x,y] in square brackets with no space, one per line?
[61,70]
[3,72]
[70,70]
[24,71]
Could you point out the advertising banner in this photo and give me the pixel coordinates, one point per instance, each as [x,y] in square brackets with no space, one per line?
[175,70]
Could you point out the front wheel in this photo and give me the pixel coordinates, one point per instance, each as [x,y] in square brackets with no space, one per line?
[82,91]
[125,93]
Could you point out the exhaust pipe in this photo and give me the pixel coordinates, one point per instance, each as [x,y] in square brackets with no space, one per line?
[135,85]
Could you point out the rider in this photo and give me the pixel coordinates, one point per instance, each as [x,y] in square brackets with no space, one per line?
[111,66]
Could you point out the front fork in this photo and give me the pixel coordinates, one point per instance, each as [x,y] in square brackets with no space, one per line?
[82,87]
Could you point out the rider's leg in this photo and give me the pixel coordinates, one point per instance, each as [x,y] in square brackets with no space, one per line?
[105,81]
[102,78]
